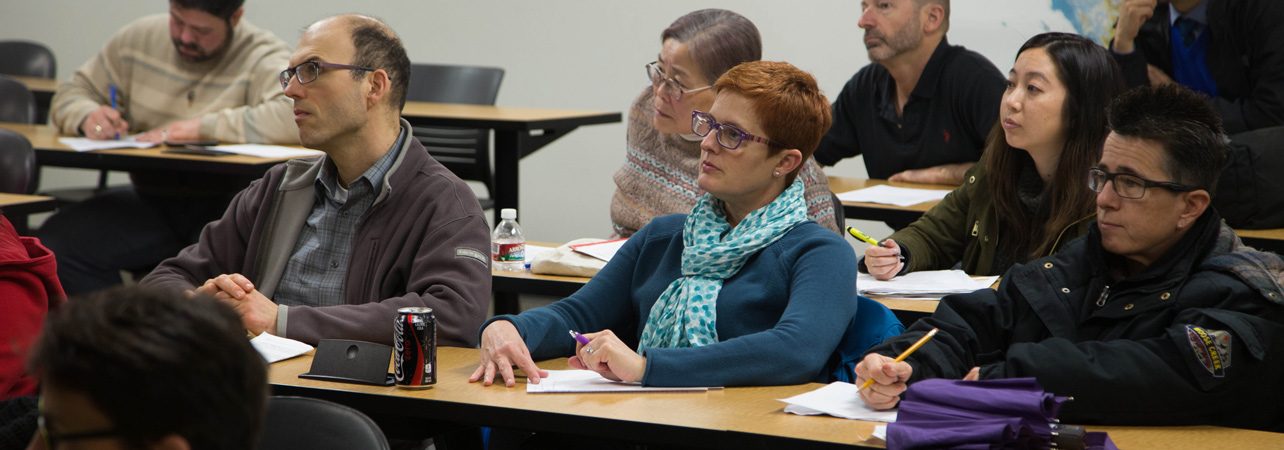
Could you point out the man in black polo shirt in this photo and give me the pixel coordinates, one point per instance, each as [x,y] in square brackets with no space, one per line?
[922,110]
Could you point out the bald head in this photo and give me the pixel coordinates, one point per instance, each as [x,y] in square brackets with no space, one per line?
[376,46]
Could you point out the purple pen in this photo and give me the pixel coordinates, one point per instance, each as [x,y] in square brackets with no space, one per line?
[579,337]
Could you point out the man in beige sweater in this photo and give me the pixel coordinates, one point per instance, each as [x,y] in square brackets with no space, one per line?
[200,72]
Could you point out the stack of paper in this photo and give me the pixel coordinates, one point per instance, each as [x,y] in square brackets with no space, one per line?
[86,144]
[276,348]
[891,195]
[838,399]
[603,250]
[928,284]
[266,151]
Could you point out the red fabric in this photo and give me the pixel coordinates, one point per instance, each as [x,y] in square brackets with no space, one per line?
[29,288]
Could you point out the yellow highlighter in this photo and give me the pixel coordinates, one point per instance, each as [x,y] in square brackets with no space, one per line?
[864,237]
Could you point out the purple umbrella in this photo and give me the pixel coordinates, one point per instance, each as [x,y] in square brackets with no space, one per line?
[1012,413]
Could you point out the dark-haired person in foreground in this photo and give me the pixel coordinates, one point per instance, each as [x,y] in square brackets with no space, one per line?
[1159,316]
[200,72]
[330,247]
[146,369]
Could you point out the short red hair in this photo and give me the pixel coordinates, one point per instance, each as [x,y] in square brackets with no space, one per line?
[788,102]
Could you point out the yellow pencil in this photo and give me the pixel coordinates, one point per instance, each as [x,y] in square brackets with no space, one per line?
[904,354]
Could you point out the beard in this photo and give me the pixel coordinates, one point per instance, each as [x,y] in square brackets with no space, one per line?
[199,54]
[901,41]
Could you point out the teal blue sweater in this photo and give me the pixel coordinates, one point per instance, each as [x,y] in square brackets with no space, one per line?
[779,318]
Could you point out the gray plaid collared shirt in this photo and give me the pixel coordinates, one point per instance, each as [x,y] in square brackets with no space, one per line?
[315,273]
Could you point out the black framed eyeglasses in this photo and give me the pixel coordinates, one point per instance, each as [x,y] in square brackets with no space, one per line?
[52,439]
[672,87]
[1129,186]
[308,71]
[729,137]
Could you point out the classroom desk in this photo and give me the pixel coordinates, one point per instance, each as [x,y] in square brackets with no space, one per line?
[743,417]
[518,133]
[877,211]
[526,282]
[21,205]
[50,152]
[1269,240]
[43,90]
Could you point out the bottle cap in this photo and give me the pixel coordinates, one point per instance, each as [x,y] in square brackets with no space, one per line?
[508,213]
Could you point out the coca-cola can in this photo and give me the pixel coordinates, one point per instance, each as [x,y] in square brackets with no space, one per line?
[414,338]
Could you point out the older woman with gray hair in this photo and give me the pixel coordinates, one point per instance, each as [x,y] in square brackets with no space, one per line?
[663,160]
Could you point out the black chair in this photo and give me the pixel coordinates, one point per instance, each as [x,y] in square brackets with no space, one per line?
[17,163]
[16,102]
[17,171]
[307,423]
[465,151]
[27,59]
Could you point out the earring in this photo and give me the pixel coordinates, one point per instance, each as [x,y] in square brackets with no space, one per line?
[777,173]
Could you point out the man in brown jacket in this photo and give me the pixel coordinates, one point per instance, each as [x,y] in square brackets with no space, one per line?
[331,247]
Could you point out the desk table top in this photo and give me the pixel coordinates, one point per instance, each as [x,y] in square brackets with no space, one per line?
[729,416]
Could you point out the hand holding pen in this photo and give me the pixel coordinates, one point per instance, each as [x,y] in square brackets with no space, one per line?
[883,260]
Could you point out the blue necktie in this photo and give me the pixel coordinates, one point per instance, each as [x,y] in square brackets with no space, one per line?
[1187,28]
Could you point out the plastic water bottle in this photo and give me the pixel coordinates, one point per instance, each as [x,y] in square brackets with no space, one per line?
[507,244]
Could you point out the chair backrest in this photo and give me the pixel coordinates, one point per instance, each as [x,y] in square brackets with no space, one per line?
[298,423]
[872,325]
[17,104]
[27,59]
[840,216]
[465,151]
[17,163]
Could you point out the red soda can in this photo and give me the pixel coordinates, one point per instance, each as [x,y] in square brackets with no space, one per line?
[414,338]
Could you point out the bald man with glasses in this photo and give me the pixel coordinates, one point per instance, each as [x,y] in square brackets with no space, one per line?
[330,247]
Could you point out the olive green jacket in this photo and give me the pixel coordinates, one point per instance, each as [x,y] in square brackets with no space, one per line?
[965,227]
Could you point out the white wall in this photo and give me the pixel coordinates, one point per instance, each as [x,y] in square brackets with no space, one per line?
[567,54]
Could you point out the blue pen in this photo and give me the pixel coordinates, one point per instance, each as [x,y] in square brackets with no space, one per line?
[113,104]
[579,337]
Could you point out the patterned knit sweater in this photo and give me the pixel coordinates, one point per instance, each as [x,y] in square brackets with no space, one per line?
[659,177]
[237,96]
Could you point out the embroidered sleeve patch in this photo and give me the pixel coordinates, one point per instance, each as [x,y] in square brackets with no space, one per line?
[1211,347]
[473,254]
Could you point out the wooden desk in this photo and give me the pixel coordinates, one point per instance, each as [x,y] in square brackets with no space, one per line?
[878,211]
[21,205]
[744,417]
[526,282]
[1268,240]
[43,90]
[50,152]
[518,132]
[730,418]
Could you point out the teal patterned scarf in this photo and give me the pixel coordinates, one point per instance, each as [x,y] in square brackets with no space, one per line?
[686,313]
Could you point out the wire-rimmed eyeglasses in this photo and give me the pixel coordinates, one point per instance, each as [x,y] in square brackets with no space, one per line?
[672,87]
[308,71]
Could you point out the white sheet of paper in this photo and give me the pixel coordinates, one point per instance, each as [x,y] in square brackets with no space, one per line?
[837,399]
[86,144]
[880,431]
[927,284]
[892,195]
[564,381]
[276,348]
[266,151]
[603,251]
[533,250]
